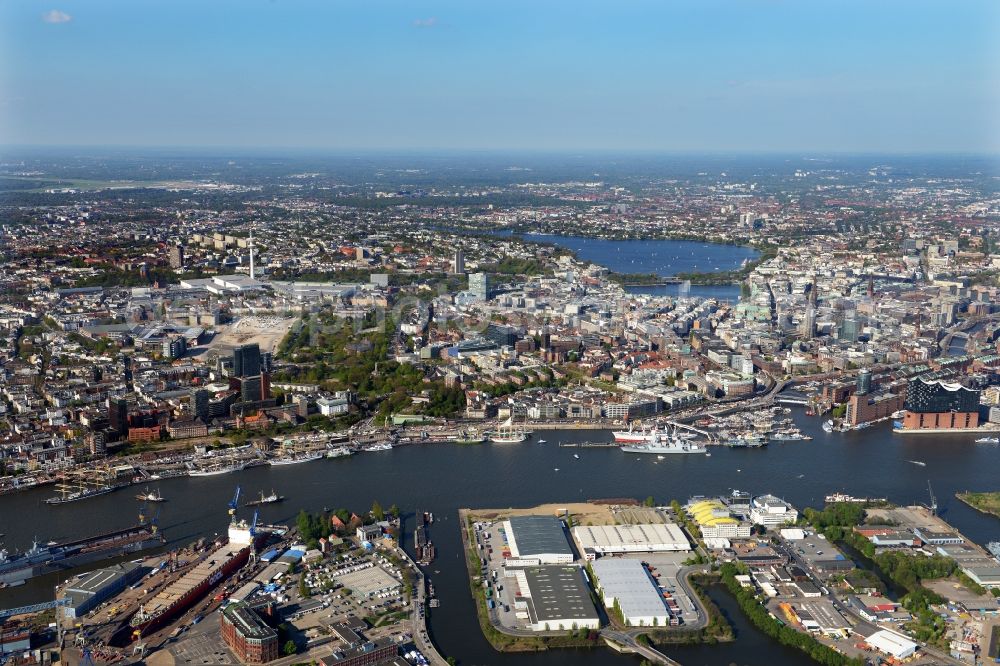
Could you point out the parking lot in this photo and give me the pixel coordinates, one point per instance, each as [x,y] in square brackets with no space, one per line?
[665,568]
[202,644]
[491,544]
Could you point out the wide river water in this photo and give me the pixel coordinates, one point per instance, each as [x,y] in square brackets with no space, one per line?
[442,478]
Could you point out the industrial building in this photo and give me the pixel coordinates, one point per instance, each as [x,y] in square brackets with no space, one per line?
[90,591]
[771,511]
[715,520]
[246,633]
[556,598]
[892,644]
[651,538]
[626,583]
[538,540]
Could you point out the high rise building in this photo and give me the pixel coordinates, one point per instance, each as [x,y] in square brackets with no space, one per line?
[118,415]
[246,360]
[864,381]
[458,263]
[199,403]
[176,256]
[850,328]
[174,347]
[809,323]
[479,286]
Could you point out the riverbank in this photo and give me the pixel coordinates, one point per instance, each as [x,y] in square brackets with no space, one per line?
[984,502]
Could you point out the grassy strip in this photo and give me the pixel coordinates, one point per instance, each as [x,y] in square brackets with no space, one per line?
[985,502]
[777,630]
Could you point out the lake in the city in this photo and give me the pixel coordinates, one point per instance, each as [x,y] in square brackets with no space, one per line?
[441,478]
[665,258]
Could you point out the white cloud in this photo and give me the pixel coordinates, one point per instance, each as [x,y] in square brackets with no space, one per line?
[56,16]
[425,22]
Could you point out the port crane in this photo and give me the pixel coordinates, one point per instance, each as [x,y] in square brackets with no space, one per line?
[235,503]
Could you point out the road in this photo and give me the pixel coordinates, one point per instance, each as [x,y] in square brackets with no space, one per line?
[630,644]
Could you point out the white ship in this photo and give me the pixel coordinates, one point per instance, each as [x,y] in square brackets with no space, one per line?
[988,440]
[842,497]
[788,436]
[379,446]
[339,452]
[828,426]
[633,436]
[508,433]
[215,470]
[297,458]
[663,444]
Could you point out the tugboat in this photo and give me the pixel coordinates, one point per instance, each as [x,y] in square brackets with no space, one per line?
[273,498]
[151,496]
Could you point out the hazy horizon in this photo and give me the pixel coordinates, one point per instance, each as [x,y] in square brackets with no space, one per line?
[753,76]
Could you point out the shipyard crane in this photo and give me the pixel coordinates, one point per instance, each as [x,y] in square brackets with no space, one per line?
[235,503]
[934,505]
[253,526]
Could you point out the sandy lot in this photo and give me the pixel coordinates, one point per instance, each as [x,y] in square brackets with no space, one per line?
[265,331]
[583,513]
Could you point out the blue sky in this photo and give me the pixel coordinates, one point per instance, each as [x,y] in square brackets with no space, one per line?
[545,75]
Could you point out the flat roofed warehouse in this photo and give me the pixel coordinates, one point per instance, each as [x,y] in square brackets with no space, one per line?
[628,583]
[651,538]
[557,598]
[540,538]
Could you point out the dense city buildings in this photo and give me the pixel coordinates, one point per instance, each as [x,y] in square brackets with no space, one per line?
[280,316]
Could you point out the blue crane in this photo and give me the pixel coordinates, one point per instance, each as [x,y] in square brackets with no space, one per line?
[235,503]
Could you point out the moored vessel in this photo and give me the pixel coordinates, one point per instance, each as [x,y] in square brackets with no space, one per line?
[230,553]
[508,433]
[664,444]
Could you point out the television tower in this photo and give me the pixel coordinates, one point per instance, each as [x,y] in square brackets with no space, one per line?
[252,276]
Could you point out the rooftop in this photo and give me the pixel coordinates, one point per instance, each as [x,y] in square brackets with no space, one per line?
[538,535]
[557,593]
[247,622]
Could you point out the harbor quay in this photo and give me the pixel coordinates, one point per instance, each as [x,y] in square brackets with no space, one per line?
[617,569]
[537,581]
[255,594]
